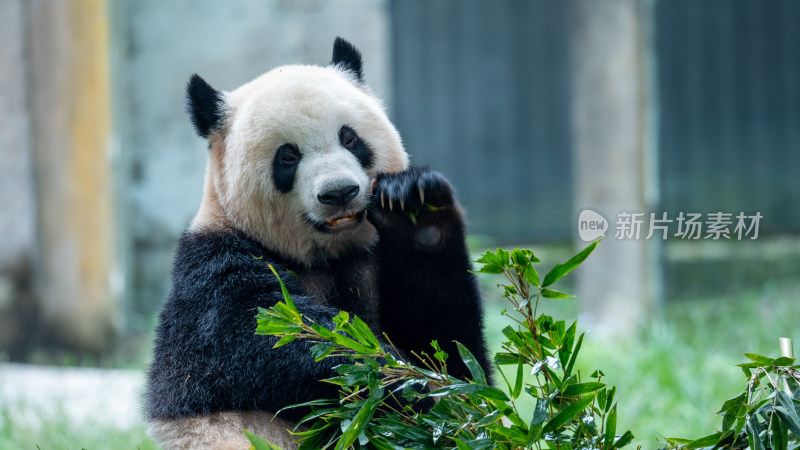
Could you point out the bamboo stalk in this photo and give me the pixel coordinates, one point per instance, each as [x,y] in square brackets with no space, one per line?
[787,351]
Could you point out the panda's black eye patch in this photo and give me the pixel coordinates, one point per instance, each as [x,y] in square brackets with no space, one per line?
[348,137]
[289,159]
[350,140]
[284,167]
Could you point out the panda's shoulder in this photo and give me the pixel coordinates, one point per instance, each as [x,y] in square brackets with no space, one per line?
[224,262]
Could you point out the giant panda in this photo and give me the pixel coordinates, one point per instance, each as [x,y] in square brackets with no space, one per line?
[306,173]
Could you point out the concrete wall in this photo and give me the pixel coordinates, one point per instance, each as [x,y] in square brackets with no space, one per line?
[228,43]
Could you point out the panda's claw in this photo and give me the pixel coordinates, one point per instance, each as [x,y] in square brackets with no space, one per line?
[391,206]
[382,205]
[421,196]
[402,204]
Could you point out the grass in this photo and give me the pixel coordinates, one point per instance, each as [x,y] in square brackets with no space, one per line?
[674,374]
[26,427]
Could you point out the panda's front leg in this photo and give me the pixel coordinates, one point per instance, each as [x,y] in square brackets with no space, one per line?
[426,289]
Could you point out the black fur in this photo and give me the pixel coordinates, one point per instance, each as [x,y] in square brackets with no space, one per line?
[427,291]
[350,140]
[346,56]
[284,167]
[204,105]
[208,359]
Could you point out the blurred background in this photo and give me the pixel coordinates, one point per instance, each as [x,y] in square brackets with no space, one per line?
[535,109]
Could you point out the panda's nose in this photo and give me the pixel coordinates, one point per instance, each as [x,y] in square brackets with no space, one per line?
[339,197]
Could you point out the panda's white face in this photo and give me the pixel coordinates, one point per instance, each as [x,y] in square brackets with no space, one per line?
[293,162]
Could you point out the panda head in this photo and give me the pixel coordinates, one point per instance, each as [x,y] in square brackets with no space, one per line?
[292,156]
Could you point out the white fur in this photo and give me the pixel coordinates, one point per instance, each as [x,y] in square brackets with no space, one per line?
[305,106]
[221,431]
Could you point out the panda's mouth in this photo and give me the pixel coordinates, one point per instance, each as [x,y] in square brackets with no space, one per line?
[338,223]
[342,221]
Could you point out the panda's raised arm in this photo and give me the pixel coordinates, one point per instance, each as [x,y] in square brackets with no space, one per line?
[207,356]
[426,289]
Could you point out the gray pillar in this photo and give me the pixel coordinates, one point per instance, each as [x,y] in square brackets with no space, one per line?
[614,158]
[17,194]
[70,118]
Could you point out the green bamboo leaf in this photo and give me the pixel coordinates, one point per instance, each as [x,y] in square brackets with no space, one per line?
[610,398]
[289,314]
[461,445]
[733,402]
[787,413]
[286,297]
[567,345]
[559,270]
[350,343]
[259,443]
[557,333]
[786,402]
[730,417]
[611,429]
[480,390]
[323,349]
[555,295]
[514,434]
[475,444]
[676,441]
[783,361]
[315,414]
[601,399]
[438,429]
[625,439]
[530,274]
[706,441]
[320,435]
[780,435]
[382,444]
[759,359]
[505,359]
[363,333]
[574,356]
[537,421]
[576,389]
[518,381]
[490,418]
[475,369]
[319,402]
[570,412]
[285,339]
[491,263]
[754,434]
[503,256]
[360,421]
[276,328]
[405,431]
[515,338]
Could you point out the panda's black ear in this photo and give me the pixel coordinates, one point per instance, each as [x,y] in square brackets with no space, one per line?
[204,105]
[347,57]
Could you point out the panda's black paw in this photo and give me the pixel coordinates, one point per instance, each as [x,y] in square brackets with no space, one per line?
[416,204]
[412,190]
